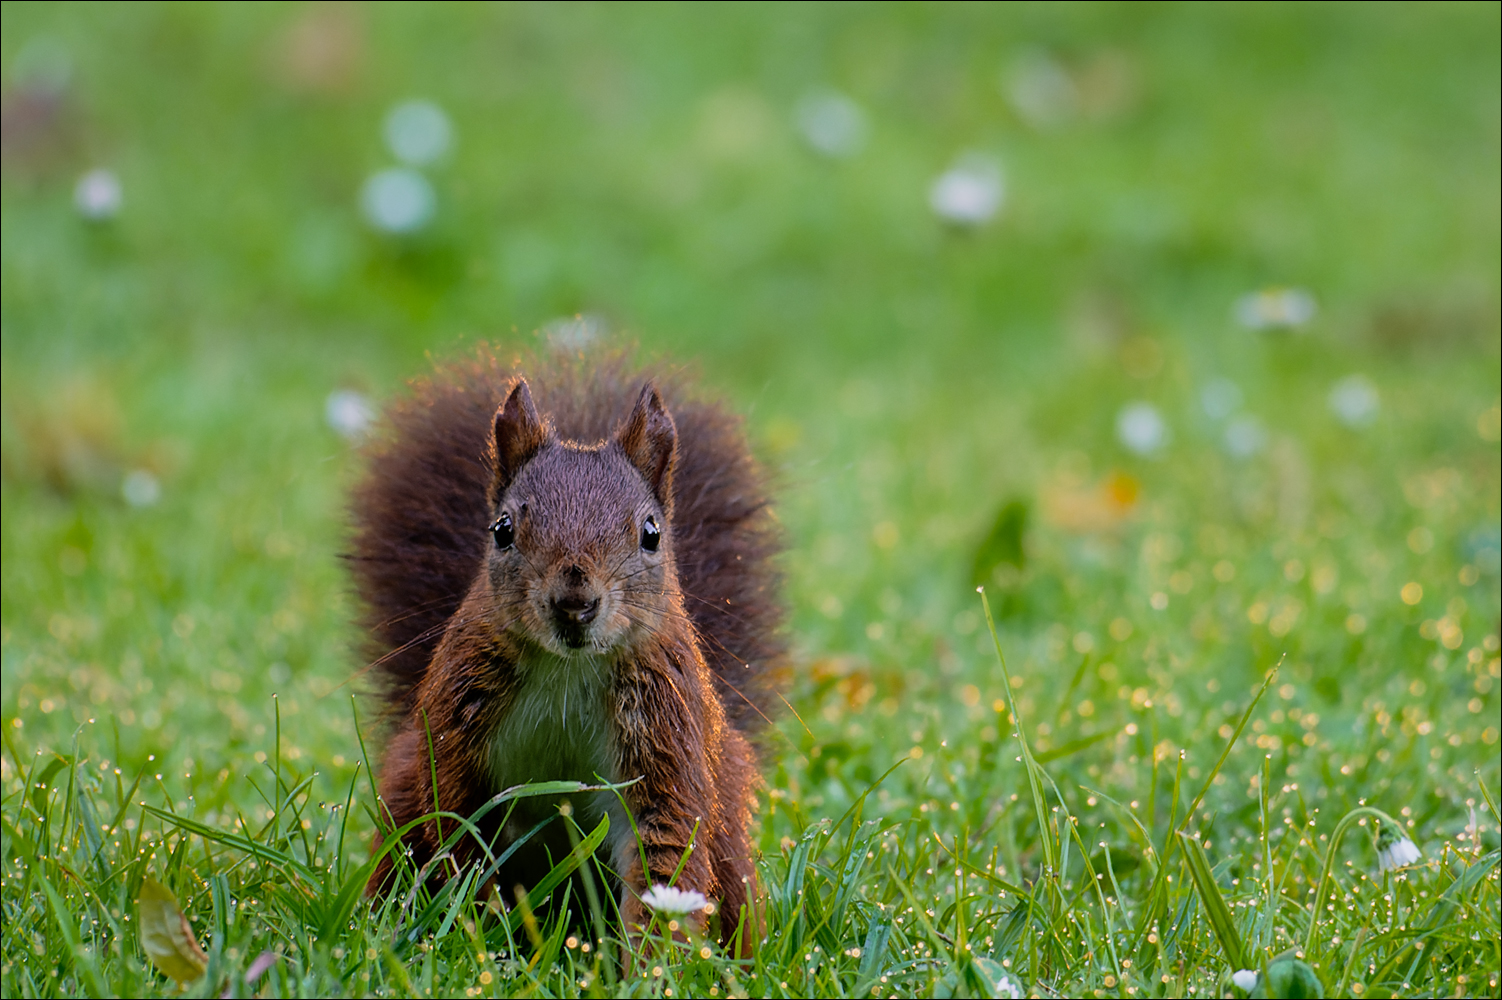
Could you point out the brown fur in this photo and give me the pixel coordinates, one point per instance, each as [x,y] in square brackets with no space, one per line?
[688,634]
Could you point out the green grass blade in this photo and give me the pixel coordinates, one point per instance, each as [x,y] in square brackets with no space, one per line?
[584,850]
[1174,840]
[1035,785]
[248,845]
[873,953]
[1216,910]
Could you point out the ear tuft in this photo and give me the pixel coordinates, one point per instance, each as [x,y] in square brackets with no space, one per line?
[518,435]
[650,440]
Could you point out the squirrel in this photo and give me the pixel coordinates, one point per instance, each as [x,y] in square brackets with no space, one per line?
[567,568]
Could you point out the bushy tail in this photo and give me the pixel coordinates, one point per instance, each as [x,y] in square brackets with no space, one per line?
[420,516]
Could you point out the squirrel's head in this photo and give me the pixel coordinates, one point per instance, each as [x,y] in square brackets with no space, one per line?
[581,551]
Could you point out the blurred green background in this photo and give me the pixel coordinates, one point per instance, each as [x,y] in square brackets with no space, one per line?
[1177,325]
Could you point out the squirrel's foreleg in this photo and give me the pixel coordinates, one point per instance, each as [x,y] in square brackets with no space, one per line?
[403,787]
[435,741]
[671,731]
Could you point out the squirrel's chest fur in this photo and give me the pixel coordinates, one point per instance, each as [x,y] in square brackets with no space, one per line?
[559,726]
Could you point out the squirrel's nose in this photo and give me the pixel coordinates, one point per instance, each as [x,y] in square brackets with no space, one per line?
[575,608]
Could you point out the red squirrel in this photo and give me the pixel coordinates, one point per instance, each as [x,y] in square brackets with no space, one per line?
[567,569]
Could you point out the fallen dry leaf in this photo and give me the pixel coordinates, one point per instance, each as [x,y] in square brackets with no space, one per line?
[165,935]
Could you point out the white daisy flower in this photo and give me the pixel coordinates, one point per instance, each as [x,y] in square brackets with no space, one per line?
[666,899]
[575,333]
[418,132]
[1041,90]
[831,123]
[1141,428]
[98,195]
[1221,398]
[1355,401]
[1245,436]
[140,488]
[398,200]
[1010,988]
[969,193]
[349,413]
[1276,309]
[1245,979]
[1395,850]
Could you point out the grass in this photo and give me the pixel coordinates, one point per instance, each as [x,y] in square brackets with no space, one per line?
[1234,673]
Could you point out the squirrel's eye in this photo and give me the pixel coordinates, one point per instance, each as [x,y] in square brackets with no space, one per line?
[504,531]
[651,535]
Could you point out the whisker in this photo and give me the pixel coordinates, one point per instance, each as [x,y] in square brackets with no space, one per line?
[528,560]
[684,616]
[634,573]
[715,605]
[421,637]
[721,678]
[619,563]
[417,609]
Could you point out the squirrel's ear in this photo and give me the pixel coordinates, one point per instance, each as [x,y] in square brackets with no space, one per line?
[650,440]
[519,434]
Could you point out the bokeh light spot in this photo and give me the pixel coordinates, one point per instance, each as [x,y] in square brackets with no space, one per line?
[418,132]
[398,200]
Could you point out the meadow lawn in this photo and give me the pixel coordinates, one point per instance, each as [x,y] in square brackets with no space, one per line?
[1209,406]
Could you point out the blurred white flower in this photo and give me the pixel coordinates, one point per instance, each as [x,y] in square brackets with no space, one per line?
[1355,401]
[1394,850]
[418,132]
[574,333]
[1245,979]
[398,200]
[1275,309]
[1041,90]
[348,413]
[140,488]
[1141,428]
[1220,398]
[969,193]
[666,899]
[1009,988]
[1245,437]
[831,123]
[97,195]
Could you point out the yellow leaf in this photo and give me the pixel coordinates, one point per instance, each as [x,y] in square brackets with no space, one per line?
[165,935]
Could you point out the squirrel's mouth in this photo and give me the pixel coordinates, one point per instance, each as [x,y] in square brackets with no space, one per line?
[572,636]
[572,617]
